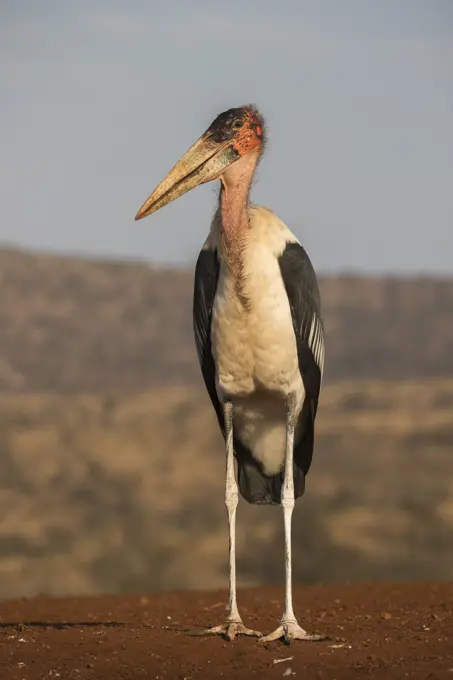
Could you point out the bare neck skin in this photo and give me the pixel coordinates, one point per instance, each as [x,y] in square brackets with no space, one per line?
[234,194]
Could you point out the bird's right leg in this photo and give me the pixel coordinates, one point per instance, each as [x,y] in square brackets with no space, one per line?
[233,625]
[289,628]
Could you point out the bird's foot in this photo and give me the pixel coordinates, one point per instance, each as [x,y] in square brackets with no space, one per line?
[230,629]
[290,630]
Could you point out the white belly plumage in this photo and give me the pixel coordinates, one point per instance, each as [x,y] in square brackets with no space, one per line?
[255,353]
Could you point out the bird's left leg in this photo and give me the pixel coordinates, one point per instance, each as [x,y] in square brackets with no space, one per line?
[289,628]
[233,625]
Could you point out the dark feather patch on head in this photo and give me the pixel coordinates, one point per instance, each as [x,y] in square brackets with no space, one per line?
[229,124]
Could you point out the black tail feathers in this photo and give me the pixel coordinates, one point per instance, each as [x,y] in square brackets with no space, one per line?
[260,489]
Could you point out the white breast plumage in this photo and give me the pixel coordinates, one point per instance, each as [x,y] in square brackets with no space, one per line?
[254,346]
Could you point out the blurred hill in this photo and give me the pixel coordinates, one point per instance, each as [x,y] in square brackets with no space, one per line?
[126,494]
[112,466]
[72,325]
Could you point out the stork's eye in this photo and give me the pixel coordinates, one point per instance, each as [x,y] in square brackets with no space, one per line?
[237,124]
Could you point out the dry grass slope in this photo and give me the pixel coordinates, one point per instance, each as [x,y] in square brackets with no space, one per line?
[123,494]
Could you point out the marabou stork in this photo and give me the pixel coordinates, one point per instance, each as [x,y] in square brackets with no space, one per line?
[259,336]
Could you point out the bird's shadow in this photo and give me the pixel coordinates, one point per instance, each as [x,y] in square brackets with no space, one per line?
[60,625]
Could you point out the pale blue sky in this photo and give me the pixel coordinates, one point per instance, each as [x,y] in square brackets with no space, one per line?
[98,99]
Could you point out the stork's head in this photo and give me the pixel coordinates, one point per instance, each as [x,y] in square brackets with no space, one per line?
[233,135]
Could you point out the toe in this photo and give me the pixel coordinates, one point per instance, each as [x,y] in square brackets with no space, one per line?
[242,630]
[230,633]
[275,635]
[292,631]
[230,630]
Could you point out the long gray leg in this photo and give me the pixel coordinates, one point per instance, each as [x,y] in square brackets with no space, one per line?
[233,625]
[289,628]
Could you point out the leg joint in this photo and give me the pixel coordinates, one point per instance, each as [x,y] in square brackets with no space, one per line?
[288,500]
[288,503]
[231,497]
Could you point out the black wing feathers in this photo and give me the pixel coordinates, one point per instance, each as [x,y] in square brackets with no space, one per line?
[205,286]
[302,289]
[303,294]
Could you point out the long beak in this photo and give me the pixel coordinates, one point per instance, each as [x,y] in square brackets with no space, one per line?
[202,163]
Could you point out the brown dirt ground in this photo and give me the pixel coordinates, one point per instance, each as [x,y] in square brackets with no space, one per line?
[377,630]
